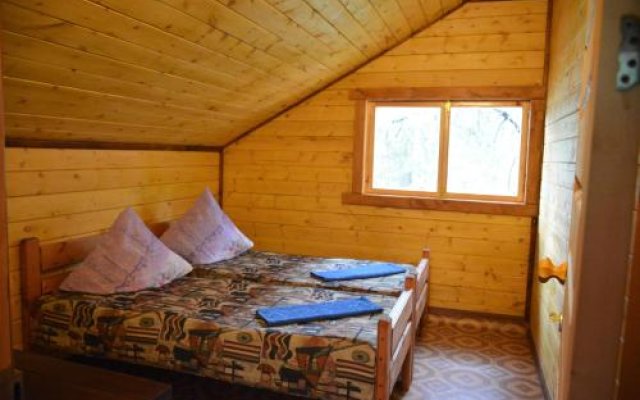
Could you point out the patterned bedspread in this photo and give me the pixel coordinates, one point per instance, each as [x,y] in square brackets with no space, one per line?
[209,328]
[295,270]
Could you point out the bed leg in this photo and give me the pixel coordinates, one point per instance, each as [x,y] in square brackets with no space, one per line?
[31,282]
[383,359]
[406,374]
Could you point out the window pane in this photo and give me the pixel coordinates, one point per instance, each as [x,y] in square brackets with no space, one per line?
[484,150]
[406,147]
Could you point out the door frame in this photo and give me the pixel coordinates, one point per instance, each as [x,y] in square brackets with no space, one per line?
[605,192]
[5,317]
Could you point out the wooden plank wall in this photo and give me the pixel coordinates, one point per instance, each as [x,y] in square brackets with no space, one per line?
[283,183]
[568,52]
[57,193]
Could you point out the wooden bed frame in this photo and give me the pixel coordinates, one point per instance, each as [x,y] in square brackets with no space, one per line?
[44,267]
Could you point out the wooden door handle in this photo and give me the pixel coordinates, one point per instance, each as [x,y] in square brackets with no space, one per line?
[548,270]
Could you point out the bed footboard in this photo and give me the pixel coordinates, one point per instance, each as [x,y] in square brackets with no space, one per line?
[394,355]
[419,283]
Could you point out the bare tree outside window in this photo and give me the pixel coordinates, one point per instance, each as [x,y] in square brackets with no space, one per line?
[484,150]
[448,150]
[405,154]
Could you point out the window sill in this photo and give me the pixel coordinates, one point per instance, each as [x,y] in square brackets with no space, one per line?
[420,203]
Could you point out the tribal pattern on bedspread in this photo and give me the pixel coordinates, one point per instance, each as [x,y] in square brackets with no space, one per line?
[267,267]
[209,328]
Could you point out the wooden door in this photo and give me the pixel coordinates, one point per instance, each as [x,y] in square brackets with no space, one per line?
[603,203]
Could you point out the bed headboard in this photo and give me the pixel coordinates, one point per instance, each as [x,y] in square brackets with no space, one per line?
[43,267]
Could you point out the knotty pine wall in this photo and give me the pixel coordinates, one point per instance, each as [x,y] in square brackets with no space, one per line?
[283,183]
[55,194]
[568,55]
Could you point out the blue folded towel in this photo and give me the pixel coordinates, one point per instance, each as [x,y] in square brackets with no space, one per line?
[363,272]
[284,315]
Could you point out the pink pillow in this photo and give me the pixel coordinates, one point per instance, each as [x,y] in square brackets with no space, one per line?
[129,257]
[205,234]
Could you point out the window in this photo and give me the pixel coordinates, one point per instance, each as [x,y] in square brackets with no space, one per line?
[467,155]
[447,150]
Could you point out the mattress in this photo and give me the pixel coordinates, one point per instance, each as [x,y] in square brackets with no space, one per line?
[209,328]
[294,270]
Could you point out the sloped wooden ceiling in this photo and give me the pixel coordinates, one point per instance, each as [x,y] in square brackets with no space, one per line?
[190,72]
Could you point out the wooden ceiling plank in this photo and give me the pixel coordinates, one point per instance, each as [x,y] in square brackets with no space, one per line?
[296,65]
[35,49]
[168,42]
[34,24]
[262,13]
[317,26]
[258,80]
[337,83]
[174,21]
[185,72]
[145,105]
[253,101]
[432,9]
[92,17]
[369,19]
[75,78]
[32,21]
[43,99]
[390,11]
[413,12]
[451,4]
[237,25]
[338,16]
[179,23]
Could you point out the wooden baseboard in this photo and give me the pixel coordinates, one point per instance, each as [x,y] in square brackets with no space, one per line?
[450,312]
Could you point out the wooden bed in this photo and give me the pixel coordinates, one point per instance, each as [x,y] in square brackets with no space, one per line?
[50,263]
[44,267]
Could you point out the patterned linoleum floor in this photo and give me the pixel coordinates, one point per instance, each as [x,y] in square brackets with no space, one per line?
[456,359]
[475,359]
